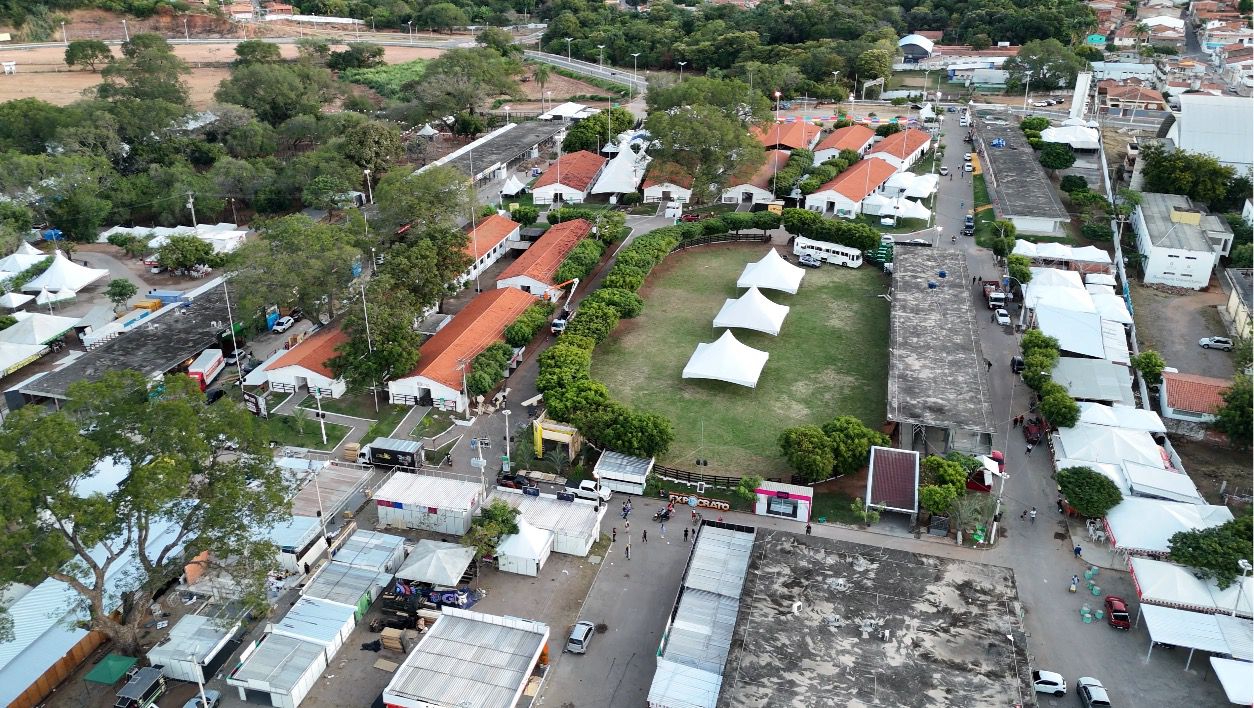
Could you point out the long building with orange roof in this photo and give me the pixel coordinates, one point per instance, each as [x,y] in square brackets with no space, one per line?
[756,187]
[842,196]
[798,135]
[533,272]
[445,358]
[902,149]
[304,366]
[486,241]
[856,137]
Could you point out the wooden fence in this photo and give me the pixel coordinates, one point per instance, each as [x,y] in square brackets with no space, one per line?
[722,238]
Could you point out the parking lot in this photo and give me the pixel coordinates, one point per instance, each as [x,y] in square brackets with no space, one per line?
[1172,325]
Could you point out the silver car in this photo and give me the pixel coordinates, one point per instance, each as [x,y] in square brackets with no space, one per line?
[1221,343]
[580,637]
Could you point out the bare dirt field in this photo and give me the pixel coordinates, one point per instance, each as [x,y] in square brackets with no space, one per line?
[56,83]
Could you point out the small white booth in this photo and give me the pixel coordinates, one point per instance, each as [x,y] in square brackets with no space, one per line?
[575,524]
[623,473]
[278,668]
[318,621]
[525,552]
[193,649]
[300,542]
[375,551]
[352,587]
[789,501]
[410,501]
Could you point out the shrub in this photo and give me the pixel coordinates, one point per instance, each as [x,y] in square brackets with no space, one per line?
[713,226]
[1036,123]
[557,216]
[1097,230]
[561,365]
[809,451]
[1087,491]
[525,215]
[1036,143]
[388,80]
[1073,183]
[489,368]
[1060,409]
[624,279]
[528,323]
[937,499]
[617,427]
[581,260]
[625,302]
[595,320]
[631,199]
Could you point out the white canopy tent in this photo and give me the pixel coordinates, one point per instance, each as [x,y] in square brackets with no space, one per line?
[47,297]
[1156,482]
[427,131]
[1234,676]
[12,301]
[1077,136]
[772,273]
[526,551]
[1095,289]
[512,187]
[20,261]
[1217,634]
[1090,254]
[1048,277]
[1059,252]
[25,249]
[437,562]
[64,274]
[15,356]
[37,328]
[909,184]
[1111,307]
[752,311]
[1077,332]
[1100,279]
[1143,526]
[1121,416]
[900,207]
[726,360]
[1170,585]
[1069,299]
[1099,443]
[623,173]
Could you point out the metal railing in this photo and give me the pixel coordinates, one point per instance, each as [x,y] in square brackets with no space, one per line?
[721,238]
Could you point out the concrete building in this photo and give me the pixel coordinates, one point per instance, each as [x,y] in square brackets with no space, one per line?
[494,155]
[1190,397]
[1128,100]
[438,380]
[856,137]
[487,241]
[570,179]
[1119,71]
[1240,306]
[304,366]
[1218,126]
[1024,194]
[902,149]
[757,187]
[842,196]
[1179,242]
[667,182]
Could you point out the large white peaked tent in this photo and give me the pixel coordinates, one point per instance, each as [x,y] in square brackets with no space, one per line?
[623,173]
[772,273]
[37,328]
[513,186]
[65,274]
[727,360]
[437,562]
[752,311]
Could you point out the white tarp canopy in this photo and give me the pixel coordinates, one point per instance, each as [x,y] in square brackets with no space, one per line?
[1078,137]
[569,110]
[1151,481]
[1218,634]
[1121,416]
[11,300]
[1060,252]
[1143,525]
[64,274]
[530,542]
[1234,676]
[512,186]
[772,273]
[900,207]
[1046,277]
[1161,583]
[437,562]
[1099,443]
[25,249]
[1111,307]
[1094,380]
[908,184]
[1100,279]
[1061,298]
[427,131]
[1076,332]
[221,241]
[726,360]
[1089,254]
[623,173]
[47,297]
[752,311]
[15,356]
[37,328]
[20,261]
[1095,289]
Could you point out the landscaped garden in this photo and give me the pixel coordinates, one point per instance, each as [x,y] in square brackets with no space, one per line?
[829,359]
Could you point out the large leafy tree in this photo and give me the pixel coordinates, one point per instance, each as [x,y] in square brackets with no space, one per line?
[88,53]
[1191,174]
[1057,156]
[27,124]
[1214,551]
[277,92]
[730,96]
[1234,417]
[809,452]
[1087,491]
[437,195]
[707,143]
[851,443]
[256,51]
[386,349]
[427,263]
[197,479]
[1049,63]
[298,261]
[373,146]
[460,81]
[591,133]
[186,251]
[148,70]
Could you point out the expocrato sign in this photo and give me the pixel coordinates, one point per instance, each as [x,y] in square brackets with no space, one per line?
[705,502]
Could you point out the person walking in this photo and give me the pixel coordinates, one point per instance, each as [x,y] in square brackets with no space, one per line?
[1028,451]
[663,531]
[614,535]
[685,535]
[1032,515]
[1078,550]
[988,365]
[1024,515]
[644,536]
[629,551]
[809,529]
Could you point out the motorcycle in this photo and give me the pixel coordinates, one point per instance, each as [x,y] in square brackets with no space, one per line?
[662,515]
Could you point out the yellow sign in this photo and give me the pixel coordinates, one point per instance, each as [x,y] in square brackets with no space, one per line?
[775,207]
[513,207]
[538,433]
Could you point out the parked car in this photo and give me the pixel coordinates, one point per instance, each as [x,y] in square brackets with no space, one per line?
[692,217]
[234,357]
[211,700]
[1032,430]
[1041,104]
[1002,317]
[282,325]
[968,167]
[296,314]
[1049,682]
[214,395]
[809,261]
[514,481]
[1222,343]
[966,157]
[1117,612]
[944,171]
[951,109]
[580,637]
[1091,692]
[591,489]
[1016,365]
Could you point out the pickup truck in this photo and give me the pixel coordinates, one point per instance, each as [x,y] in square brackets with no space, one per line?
[591,489]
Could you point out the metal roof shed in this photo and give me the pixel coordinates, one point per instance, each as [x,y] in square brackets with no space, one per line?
[283,669]
[1234,676]
[469,659]
[1217,634]
[622,473]
[412,501]
[892,482]
[300,541]
[372,550]
[191,651]
[679,686]
[319,621]
[353,587]
[575,525]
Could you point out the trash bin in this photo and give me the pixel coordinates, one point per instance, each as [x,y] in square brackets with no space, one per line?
[1099,615]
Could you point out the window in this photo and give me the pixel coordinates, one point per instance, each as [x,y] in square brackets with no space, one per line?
[782,507]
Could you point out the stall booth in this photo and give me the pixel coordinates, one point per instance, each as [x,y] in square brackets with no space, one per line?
[278,669]
[194,649]
[300,543]
[410,501]
[525,552]
[789,501]
[348,586]
[318,621]
[372,550]
[575,523]
[622,473]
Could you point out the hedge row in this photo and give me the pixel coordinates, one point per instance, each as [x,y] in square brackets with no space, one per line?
[489,368]
[581,260]
[1040,355]
[802,222]
[528,323]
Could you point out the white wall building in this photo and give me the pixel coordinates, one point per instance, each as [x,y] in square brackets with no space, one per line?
[280,669]
[842,196]
[486,241]
[667,182]
[1180,243]
[304,366]
[569,179]
[409,501]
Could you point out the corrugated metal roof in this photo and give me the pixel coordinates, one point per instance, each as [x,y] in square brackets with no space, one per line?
[1218,634]
[193,635]
[470,660]
[313,619]
[679,686]
[295,533]
[701,633]
[420,490]
[370,549]
[620,466]
[343,583]
[278,662]
[568,518]
[719,561]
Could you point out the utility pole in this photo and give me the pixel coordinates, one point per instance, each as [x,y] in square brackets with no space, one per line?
[568,40]
[191,204]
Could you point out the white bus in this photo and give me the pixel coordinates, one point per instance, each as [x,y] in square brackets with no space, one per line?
[825,251]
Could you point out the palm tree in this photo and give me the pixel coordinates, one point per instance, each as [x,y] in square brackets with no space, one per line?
[1141,30]
[542,76]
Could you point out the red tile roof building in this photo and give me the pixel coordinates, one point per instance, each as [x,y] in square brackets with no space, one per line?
[488,234]
[798,135]
[756,184]
[533,271]
[893,480]
[903,148]
[852,137]
[861,180]
[572,176]
[304,366]
[1191,393]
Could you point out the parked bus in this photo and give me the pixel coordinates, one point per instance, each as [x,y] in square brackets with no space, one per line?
[826,251]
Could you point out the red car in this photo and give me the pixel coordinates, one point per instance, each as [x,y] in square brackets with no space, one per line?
[1032,431]
[692,217]
[1117,612]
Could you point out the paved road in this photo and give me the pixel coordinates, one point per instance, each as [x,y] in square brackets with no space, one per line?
[585,68]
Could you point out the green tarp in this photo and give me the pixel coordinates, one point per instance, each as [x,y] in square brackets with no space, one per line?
[111,669]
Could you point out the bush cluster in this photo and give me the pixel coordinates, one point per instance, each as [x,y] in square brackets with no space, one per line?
[528,323]
[802,222]
[1040,354]
[489,368]
[581,260]
[626,303]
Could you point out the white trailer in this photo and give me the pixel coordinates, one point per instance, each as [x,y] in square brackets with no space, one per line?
[826,251]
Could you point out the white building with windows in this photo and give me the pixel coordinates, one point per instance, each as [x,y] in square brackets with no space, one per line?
[1180,242]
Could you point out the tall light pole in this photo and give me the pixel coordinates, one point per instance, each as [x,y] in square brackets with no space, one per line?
[64,40]
[187,36]
[681,71]
[775,171]
[1027,83]
[1245,568]
[634,77]
[507,431]
[568,41]
[126,32]
[601,61]
[411,31]
[369,189]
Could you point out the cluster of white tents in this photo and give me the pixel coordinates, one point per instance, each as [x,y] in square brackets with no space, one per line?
[224,237]
[1061,252]
[24,257]
[28,339]
[727,359]
[624,172]
[1086,319]
[61,281]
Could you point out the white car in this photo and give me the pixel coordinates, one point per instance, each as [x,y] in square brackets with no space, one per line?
[211,700]
[283,324]
[1042,104]
[1222,343]
[591,489]
[1049,682]
[1003,317]
[966,157]
[944,171]
[968,167]
[1091,692]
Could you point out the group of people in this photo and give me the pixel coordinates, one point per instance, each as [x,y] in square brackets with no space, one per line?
[626,508]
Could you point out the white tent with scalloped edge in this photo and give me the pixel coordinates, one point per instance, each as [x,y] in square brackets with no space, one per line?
[753,310]
[772,273]
[726,360]
[64,274]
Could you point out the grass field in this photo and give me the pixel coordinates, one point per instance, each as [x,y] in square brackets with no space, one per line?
[829,359]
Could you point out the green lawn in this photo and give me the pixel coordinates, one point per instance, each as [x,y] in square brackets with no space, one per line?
[361,405]
[830,359]
[433,423]
[286,430]
[833,507]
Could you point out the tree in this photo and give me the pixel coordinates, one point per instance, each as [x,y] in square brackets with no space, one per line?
[888,129]
[809,451]
[1034,123]
[79,214]
[443,16]
[525,215]
[1087,491]
[277,92]
[1214,552]
[875,64]
[747,490]
[297,261]
[256,51]
[1020,268]
[27,124]
[495,521]
[1141,30]
[325,192]
[461,81]
[147,71]
[937,499]
[706,143]
[1056,156]
[313,50]
[503,42]
[88,53]
[621,429]
[181,252]
[541,76]
[438,195]
[943,472]
[1060,409]
[119,291]
[1233,418]
[591,133]
[851,443]
[1150,365]
[730,97]
[428,263]
[1194,175]
[197,479]
[1073,183]
[1050,63]
[359,55]
[373,146]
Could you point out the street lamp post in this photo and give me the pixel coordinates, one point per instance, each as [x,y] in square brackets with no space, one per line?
[126,32]
[1027,83]
[187,35]
[64,40]
[635,65]
[369,189]
[411,31]
[681,71]
[775,173]
[601,61]
[507,431]
[568,41]
[1245,568]
[506,107]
